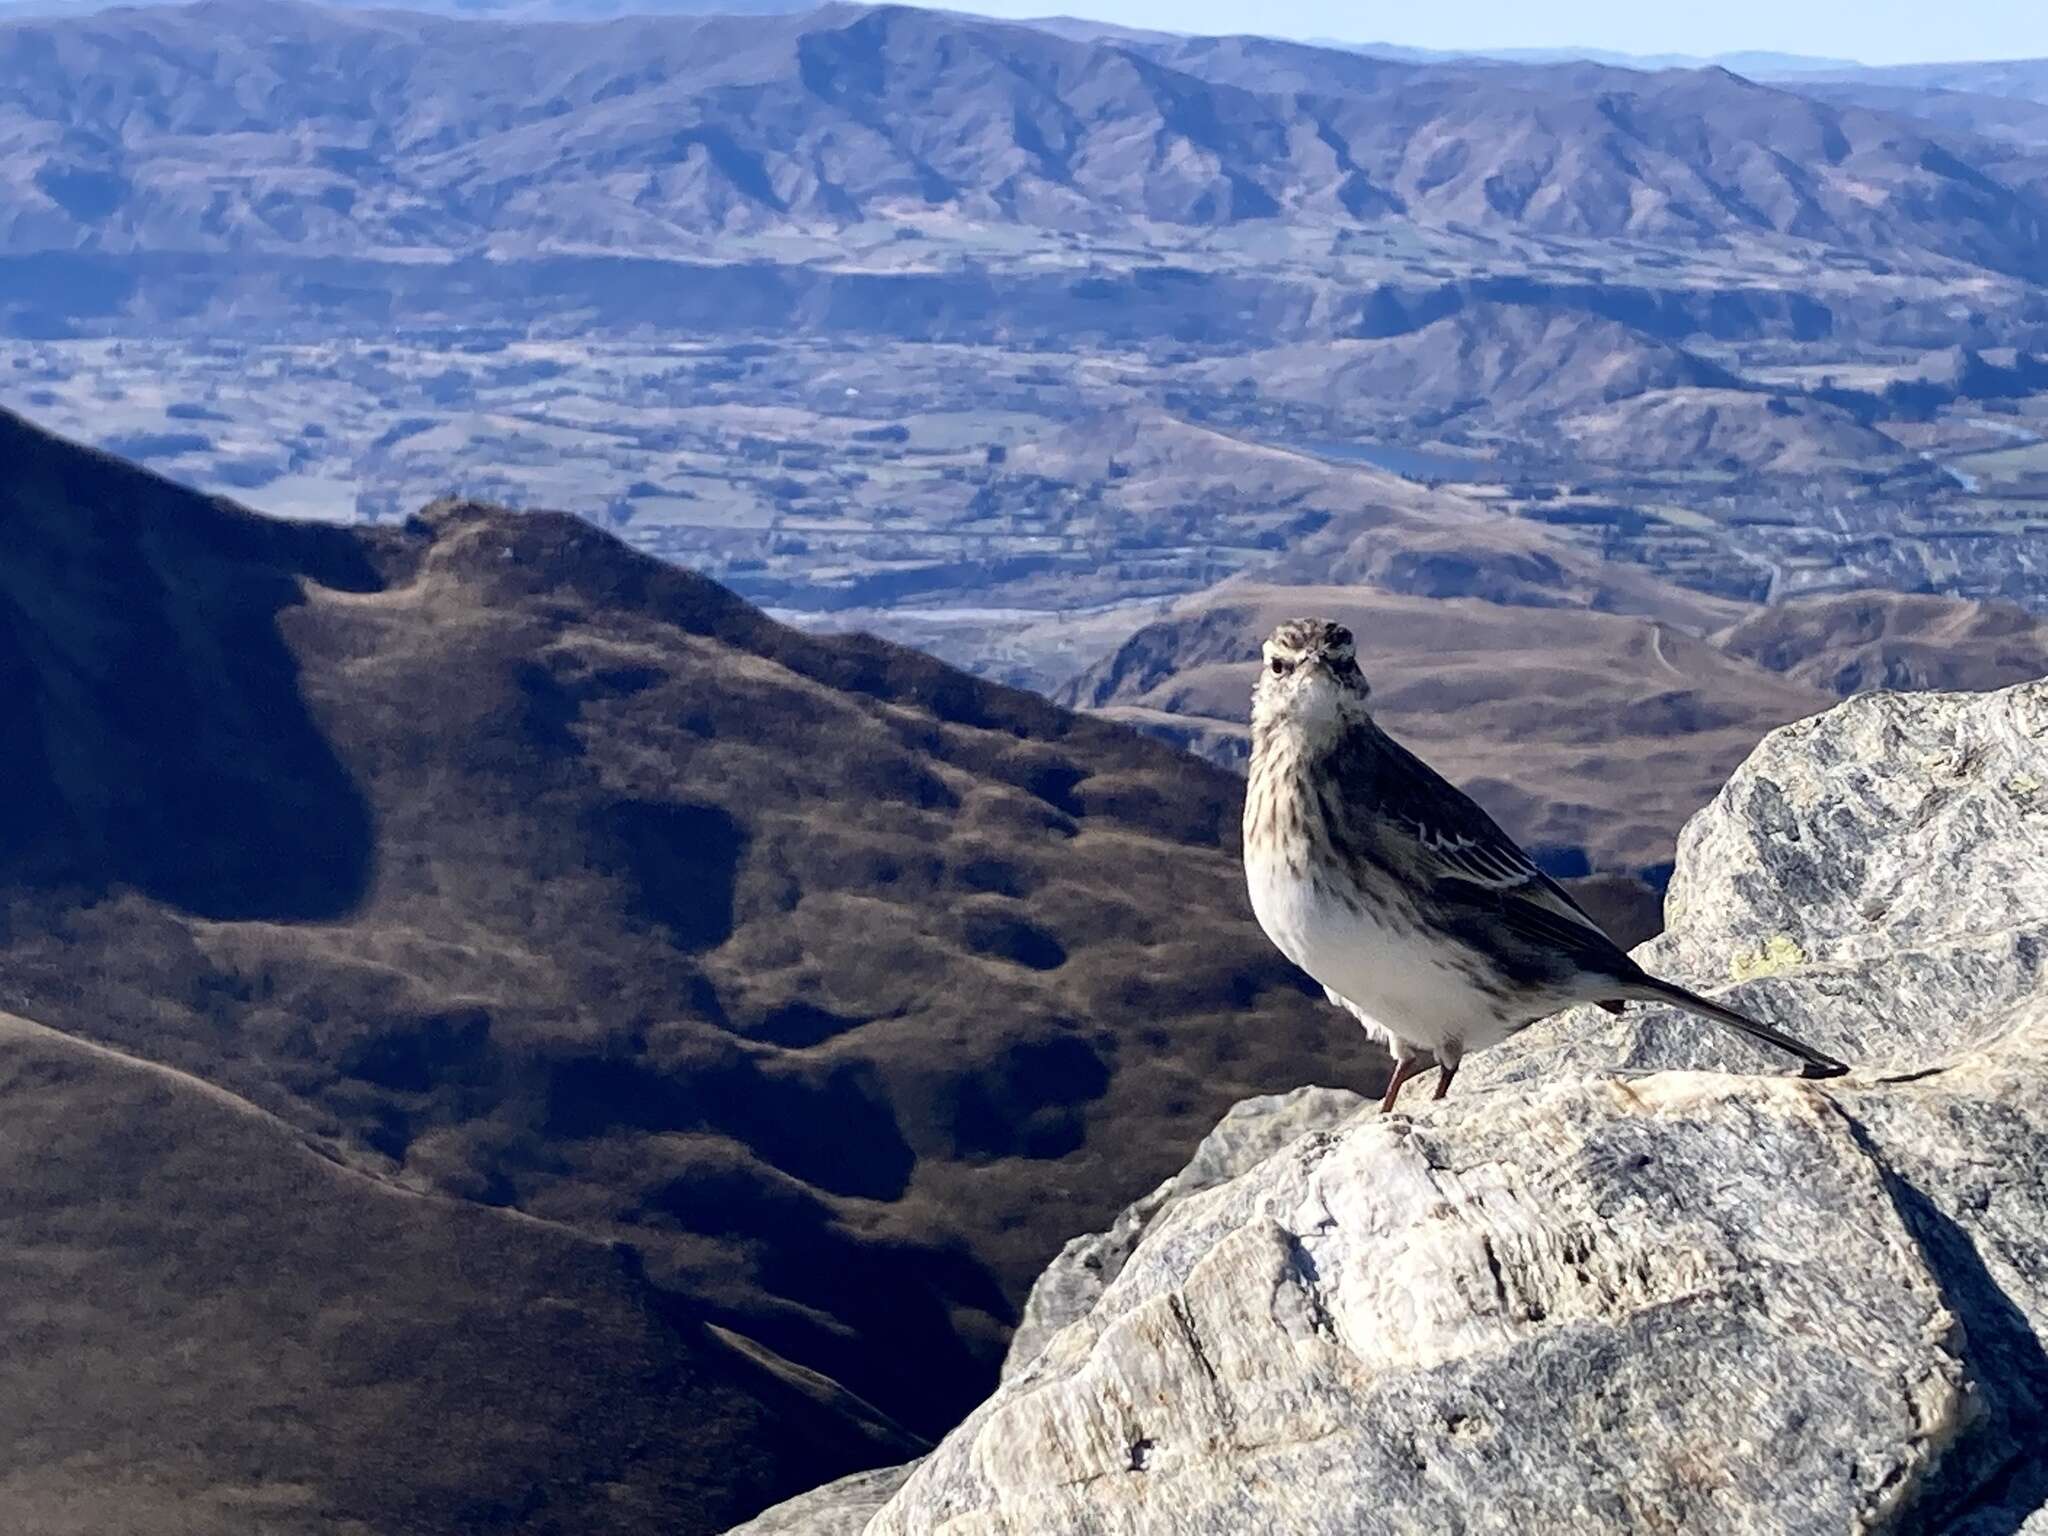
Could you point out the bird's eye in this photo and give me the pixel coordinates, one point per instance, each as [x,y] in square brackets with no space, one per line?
[1279,667]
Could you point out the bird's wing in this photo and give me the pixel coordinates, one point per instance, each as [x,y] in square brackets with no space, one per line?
[1460,854]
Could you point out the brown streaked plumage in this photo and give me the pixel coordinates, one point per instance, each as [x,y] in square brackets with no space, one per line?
[1412,908]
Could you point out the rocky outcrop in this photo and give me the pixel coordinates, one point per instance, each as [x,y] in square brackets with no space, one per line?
[1592,1297]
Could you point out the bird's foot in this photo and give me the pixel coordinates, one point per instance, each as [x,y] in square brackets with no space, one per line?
[1404,1068]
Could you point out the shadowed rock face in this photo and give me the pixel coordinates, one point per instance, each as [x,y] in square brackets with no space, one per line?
[1594,1299]
[515,868]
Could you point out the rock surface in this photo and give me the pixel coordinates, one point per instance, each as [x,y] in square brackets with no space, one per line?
[1875,878]
[841,1508]
[1252,1132]
[1575,1298]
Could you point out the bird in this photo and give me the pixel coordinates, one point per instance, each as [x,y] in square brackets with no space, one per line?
[1407,902]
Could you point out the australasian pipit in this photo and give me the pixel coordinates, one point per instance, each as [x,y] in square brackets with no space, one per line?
[1385,883]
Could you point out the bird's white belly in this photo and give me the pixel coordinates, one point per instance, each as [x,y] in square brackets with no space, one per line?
[1398,981]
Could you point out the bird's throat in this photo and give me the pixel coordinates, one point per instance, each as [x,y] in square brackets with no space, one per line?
[1281,814]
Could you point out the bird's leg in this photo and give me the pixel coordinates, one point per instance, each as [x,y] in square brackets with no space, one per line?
[1448,1055]
[1405,1067]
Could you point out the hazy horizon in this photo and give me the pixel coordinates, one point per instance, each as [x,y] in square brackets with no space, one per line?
[1833,31]
[1987,31]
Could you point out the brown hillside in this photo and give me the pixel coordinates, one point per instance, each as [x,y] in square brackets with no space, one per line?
[512,866]
[1853,641]
[212,1330]
[1502,361]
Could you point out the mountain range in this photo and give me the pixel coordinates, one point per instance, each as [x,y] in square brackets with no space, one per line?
[1759,64]
[404,137]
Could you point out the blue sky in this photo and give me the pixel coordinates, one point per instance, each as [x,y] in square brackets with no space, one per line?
[1873,31]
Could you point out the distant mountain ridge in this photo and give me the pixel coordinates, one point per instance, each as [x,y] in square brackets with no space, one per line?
[366,133]
[2021,79]
[1758,64]
[493,10]
[1755,63]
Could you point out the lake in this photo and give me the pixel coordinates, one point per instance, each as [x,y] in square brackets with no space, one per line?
[1408,463]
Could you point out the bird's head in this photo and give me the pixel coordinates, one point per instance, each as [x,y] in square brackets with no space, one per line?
[1308,675]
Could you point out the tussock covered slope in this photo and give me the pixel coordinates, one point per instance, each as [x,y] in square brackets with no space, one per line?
[1863,640]
[512,867]
[212,1329]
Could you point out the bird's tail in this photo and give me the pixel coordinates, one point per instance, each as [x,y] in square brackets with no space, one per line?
[1650,990]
